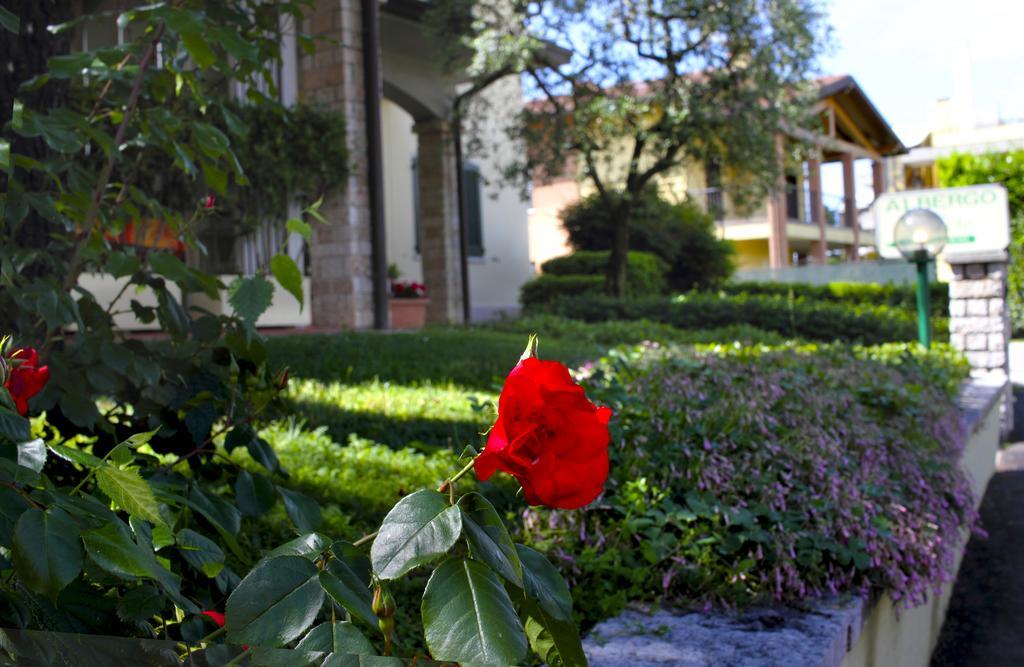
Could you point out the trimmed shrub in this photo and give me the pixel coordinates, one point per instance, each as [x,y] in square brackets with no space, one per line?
[618,332]
[897,296]
[792,318]
[583,272]
[750,475]
[680,234]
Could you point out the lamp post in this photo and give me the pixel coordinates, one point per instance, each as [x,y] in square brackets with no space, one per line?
[920,235]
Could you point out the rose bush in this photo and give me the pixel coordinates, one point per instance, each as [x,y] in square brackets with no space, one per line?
[25,377]
[548,436]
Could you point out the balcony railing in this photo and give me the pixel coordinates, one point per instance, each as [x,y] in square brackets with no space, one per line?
[801,205]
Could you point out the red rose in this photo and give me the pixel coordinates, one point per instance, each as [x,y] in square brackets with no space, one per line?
[27,378]
[209,202]
[548,436]
[217,617]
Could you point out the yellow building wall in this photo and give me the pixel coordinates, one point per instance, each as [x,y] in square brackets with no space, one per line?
[751,254]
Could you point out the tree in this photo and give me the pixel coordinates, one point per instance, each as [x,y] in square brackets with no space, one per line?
[633,89]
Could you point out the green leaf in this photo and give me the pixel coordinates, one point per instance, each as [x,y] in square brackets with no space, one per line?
[200,552]
[13,426]
[468,616]
[557,642]
[224,516]
[46,552]
[336,638]
[302,510]
[250,298]
[130,492]
[140,604]
[489,541]
[308,546]
[261,452]
[168,266]
[9,21]
[121,264]
[254,494]
[288,276]
[344,586]
[275,603]
[421,528]
[303,229]
[200,51]
[32,454]
[75,455]
[113,549]
[543,583]
[64,67]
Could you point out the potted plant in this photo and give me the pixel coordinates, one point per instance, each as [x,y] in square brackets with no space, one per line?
[408,302]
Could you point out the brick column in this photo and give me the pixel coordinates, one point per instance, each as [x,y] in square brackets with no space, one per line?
[778,241]
[819,248]
[979,320]
[440,245]
[340,251]
[850,206]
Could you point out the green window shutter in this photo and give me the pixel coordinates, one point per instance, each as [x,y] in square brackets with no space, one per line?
[471,206]
[416,204]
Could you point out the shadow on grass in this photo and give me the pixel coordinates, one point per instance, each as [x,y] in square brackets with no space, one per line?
[421,433]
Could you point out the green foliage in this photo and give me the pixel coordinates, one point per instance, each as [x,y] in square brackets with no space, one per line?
[680,234]
[871,294]
[808,470]
[646,270]
[1007,169]
[789,317]
[609,333]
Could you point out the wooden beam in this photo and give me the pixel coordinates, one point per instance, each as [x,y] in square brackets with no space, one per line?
[854,130]
[828,143]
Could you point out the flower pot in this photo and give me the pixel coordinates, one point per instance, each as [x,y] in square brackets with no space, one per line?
[408,314]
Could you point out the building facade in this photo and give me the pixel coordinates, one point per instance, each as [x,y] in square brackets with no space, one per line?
[798,223]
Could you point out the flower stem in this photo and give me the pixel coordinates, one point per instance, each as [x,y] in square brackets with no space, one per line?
[469,466]
[364,539]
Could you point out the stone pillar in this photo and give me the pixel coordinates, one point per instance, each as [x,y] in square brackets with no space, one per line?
[778,241]
[340,252]
[850,204]
[819,249]
[440,245]
[979,320]
[878,177]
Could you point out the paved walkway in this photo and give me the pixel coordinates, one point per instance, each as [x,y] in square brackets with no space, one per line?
[985,623]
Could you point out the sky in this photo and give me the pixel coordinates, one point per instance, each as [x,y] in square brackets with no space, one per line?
[905,54]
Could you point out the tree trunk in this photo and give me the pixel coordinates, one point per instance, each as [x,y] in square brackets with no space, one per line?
[615,284]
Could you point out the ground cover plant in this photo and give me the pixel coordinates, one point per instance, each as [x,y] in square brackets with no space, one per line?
[755,474]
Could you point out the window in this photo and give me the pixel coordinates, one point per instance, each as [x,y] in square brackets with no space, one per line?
[471,206]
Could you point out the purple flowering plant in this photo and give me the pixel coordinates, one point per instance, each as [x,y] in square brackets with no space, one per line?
[747,475]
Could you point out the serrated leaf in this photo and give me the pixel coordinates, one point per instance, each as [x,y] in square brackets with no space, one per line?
[140,604]
[126,488]
[224,516]
[468,616]
[13,426]
[421,528]
[288,276]
[303,229]
[543,583]
[308,546]
[112,548]
[75,455]
[250,298]
[201,552]
[489,541]
[302,510]
[275,603]
[345,588]
[32,454]
[339,637]
[9,21]
[46,552]
[254,493]
[557,642]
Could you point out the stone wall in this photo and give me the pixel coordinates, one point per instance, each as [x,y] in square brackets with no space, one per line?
[979,320]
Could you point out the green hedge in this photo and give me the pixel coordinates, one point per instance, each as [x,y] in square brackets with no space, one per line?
[583,272]
[897,296]
[811,320]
